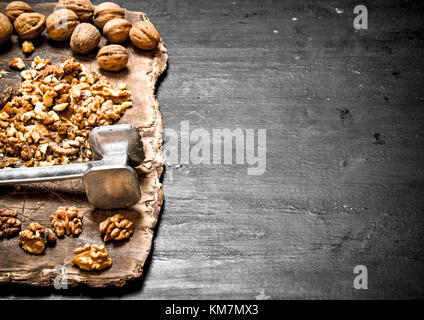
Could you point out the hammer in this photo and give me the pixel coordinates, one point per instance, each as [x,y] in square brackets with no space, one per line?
[109,180]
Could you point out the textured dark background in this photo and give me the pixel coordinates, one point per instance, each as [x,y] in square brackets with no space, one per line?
[343,110]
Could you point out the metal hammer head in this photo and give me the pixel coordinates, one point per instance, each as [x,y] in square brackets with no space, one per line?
[111,182]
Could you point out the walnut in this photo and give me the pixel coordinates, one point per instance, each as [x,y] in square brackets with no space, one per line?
[83,8]
[35,238]
[9,224]
[116,228]
[30,25]
[144,35]
[105,12]
[6,29]
[15,8]
[117,30]
[112,58]
[17,63]
[27,47]
[92,257]
[85,38]
[61,23]
[67,221]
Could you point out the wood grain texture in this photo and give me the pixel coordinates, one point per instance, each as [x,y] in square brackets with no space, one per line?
[333,196]
[39,202]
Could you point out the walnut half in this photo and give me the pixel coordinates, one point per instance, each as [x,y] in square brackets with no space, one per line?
[116,228]
[35,238]
[67,221]
[9,224]
[92,257]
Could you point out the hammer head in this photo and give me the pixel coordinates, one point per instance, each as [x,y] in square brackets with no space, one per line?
[111,182]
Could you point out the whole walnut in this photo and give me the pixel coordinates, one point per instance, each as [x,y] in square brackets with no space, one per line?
[6,29]
[83,8]
[85,38]
[112,58]
[117,30]
[15,8]
[30,25]
[144,35]
[61,23]
[105,12]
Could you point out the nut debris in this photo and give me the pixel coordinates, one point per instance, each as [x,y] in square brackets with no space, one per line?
[116,228]
[67,221]
[48,118]
[35,237]
[9,224]
[92,257]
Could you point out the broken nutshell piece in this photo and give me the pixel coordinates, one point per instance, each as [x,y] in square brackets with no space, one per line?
[35,237]
[9,224]
[92,257]
[67,221]
[116,228]
[17,63]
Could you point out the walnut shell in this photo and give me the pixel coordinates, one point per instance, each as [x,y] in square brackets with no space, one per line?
[144,35]
[61,23]
[117,30]
[6,29]
[30,25]
[15,8]
[85,38]
[112,58]
[105,12]
[83,8]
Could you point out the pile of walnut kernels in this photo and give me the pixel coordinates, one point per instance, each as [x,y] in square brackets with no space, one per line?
[66,221]
[47,119]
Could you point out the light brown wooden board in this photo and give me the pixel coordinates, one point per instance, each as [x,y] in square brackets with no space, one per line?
[38,202]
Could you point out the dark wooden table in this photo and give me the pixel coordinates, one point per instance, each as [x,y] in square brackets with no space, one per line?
[343,111]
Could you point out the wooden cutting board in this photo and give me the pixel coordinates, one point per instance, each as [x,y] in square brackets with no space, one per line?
[38,202]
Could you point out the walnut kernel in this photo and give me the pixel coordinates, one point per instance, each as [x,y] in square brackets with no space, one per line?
[67,221]
[35,238]
[92,257]
[116,228]
[9,224]
[17,63]
[27,47]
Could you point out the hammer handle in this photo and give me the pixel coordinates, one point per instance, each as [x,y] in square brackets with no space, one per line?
[44,174]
